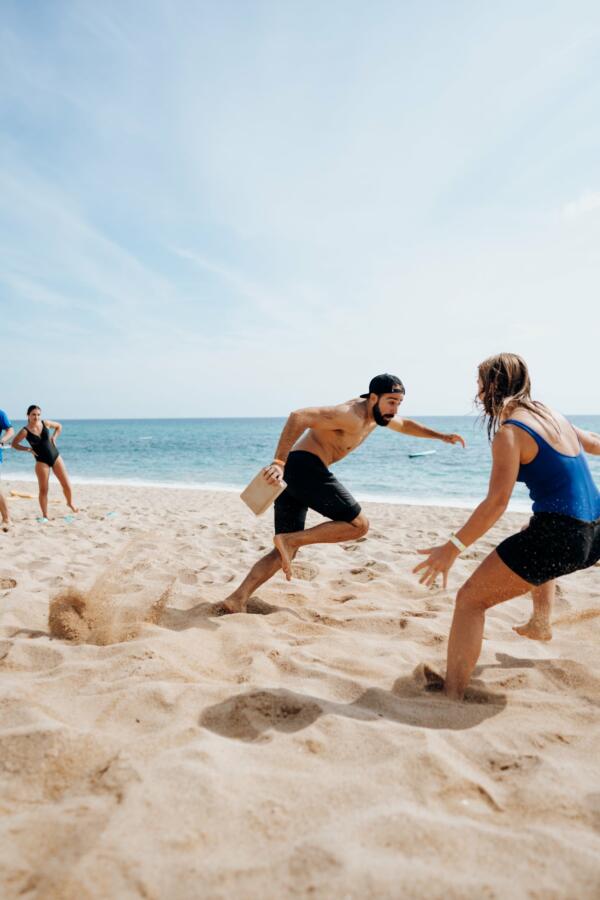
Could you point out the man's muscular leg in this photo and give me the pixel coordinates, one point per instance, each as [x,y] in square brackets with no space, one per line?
[326,533]
[260,572]
[286,547]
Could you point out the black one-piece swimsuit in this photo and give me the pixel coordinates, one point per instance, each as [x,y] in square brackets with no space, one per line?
[43,448]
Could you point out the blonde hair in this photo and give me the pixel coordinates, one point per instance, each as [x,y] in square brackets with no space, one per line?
[505,383]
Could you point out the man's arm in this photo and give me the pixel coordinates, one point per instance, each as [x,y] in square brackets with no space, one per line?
[7,436]
[590,441]
[415,429]
[322,417]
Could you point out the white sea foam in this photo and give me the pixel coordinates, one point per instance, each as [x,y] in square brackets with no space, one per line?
[518,505]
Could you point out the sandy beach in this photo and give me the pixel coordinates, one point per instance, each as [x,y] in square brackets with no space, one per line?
[168,752]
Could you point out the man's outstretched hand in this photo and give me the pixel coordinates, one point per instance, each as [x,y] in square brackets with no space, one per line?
[454,439]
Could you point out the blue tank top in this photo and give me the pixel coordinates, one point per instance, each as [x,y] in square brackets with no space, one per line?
[559,483]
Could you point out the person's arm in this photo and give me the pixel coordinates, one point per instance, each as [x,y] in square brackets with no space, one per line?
[590,441]
[325,417]
[16,442]
[415,429]
[7,436]
[56,426]
[506,458]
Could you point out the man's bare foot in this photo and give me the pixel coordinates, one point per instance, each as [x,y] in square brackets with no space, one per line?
[231,605]
[535,630]
[74,508]
[286,560]
[6,524]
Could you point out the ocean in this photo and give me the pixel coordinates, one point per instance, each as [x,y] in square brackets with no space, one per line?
[224,454]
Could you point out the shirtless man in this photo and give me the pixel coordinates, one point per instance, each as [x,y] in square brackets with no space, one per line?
[302,460]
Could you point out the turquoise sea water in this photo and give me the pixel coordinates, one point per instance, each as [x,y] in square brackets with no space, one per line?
[227,453]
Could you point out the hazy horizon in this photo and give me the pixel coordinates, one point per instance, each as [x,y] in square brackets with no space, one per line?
[278,417]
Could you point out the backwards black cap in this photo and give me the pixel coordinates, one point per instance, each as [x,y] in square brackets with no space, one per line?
[385,384]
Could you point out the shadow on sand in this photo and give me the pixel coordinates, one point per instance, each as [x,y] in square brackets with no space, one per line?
[249,716]
[200,615]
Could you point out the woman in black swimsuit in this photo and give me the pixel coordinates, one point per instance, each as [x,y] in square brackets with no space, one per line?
[47,458]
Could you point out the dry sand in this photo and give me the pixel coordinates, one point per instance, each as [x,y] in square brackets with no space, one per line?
[291,752]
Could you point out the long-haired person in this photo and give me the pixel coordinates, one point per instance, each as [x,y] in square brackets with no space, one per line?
[42,445]
[538,446]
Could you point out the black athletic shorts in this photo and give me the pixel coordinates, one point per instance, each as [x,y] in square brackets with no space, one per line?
[552,545]
[310,485]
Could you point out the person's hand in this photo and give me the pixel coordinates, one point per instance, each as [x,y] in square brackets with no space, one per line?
[273,473]
[439,562]
[454,439]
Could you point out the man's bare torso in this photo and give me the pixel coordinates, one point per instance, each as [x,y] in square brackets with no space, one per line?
[349,425]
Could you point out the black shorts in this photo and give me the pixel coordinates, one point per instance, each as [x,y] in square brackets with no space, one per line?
[552,545]
[310,485]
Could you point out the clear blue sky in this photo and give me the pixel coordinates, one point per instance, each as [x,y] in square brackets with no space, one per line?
[239,208]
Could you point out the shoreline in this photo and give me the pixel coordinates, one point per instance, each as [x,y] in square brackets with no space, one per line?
[515,506]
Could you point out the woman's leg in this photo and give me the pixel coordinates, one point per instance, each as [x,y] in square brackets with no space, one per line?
[43,476]
[491,583]
[60,470]
[538,628]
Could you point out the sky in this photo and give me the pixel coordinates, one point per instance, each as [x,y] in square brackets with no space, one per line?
[239,208]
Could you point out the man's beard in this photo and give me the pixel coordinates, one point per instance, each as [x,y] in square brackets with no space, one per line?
[379,417]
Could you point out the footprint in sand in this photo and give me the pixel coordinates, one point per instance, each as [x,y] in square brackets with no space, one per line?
[418,615]
[304,571]
[370,571]
[505,762]
[7,584]
[294,597]
[362,574]
[433,639]
[247,716]
[339,583]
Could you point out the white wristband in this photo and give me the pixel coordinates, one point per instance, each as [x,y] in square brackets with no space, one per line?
[457,543]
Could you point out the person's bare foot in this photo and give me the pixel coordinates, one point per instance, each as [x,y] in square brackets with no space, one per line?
[535,630]
[286,558]
[74,508]
[6,523]
[232,604]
